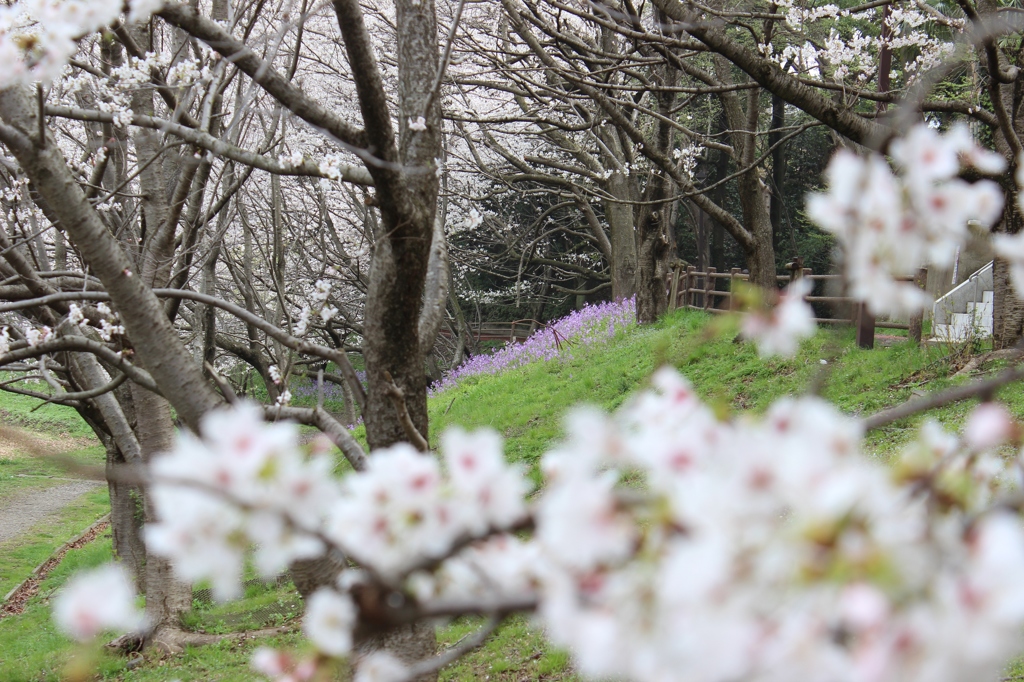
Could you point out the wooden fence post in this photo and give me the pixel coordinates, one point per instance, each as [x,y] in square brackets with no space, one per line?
[865,327]
[917,321]
[732,288]
[796,269]
[709,286]
[673,296]
[691,281]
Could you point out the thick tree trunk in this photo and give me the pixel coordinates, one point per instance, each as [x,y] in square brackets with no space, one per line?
[127,511]
[761,253]
[1008,311]
[761,261]
[652,296]
[123,450]
[409,644]
[623,237]
[1007,307]
[167,598]
[311,574]
[778,166]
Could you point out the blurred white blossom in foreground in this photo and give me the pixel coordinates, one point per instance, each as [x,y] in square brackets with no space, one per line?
[891,224]
[666,542]
[97,601]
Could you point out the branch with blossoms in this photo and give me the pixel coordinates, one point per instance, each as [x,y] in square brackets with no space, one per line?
[297,344]
[774,533]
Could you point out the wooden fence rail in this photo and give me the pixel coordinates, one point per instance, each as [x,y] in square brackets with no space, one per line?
[691,288]
[517,331]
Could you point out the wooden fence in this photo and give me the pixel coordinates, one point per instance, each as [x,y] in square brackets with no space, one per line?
[517,331]
[691,288]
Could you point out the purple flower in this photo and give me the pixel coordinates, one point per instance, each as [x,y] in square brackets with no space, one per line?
[585,326]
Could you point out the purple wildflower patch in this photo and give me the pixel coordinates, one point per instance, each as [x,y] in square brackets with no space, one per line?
[590,324]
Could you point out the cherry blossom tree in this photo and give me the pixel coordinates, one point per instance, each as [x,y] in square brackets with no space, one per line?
[259,192]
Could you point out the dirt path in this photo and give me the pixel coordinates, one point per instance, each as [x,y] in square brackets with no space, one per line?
[26,509]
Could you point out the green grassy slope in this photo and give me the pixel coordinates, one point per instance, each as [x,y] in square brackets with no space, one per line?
[527,406]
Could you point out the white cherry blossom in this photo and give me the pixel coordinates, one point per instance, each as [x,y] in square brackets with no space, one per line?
[780,331]
[329,620]
[97,601]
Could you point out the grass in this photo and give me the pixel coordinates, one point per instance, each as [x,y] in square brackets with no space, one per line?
[57,426]
[21,554]
[527,406]
[50,419]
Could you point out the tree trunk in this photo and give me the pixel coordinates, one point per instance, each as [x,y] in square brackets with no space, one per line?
[1007,306]
[652,297]
[167,598]
[761,257]
[122,450]
[311,574]
[408,644]
[622,235]
[1008,312]
[778,165]
[127,511]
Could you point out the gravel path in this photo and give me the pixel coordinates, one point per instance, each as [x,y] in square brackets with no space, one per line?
[26,509]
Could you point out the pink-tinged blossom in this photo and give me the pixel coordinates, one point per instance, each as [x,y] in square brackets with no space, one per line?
[780,331]
[583,525]
[329,620]
[485,486]
[281,666]
[890,224]
[503,566]
[380,667]
[767,537]
[97,601]
[667,542]
[246,482]
[403,508]
[988,426]
[392,514]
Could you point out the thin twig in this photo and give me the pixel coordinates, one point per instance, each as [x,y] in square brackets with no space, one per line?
[982,388]
[456,652]
[225,387]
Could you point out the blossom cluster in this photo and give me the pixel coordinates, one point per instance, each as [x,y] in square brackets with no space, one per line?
[38,37]
[890,224]
[403,508]
[320,307]
[772,549]
[107,329]
[96,601]
[246,483]
[666,541]
[36,336]
[850,53]
[780,330]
